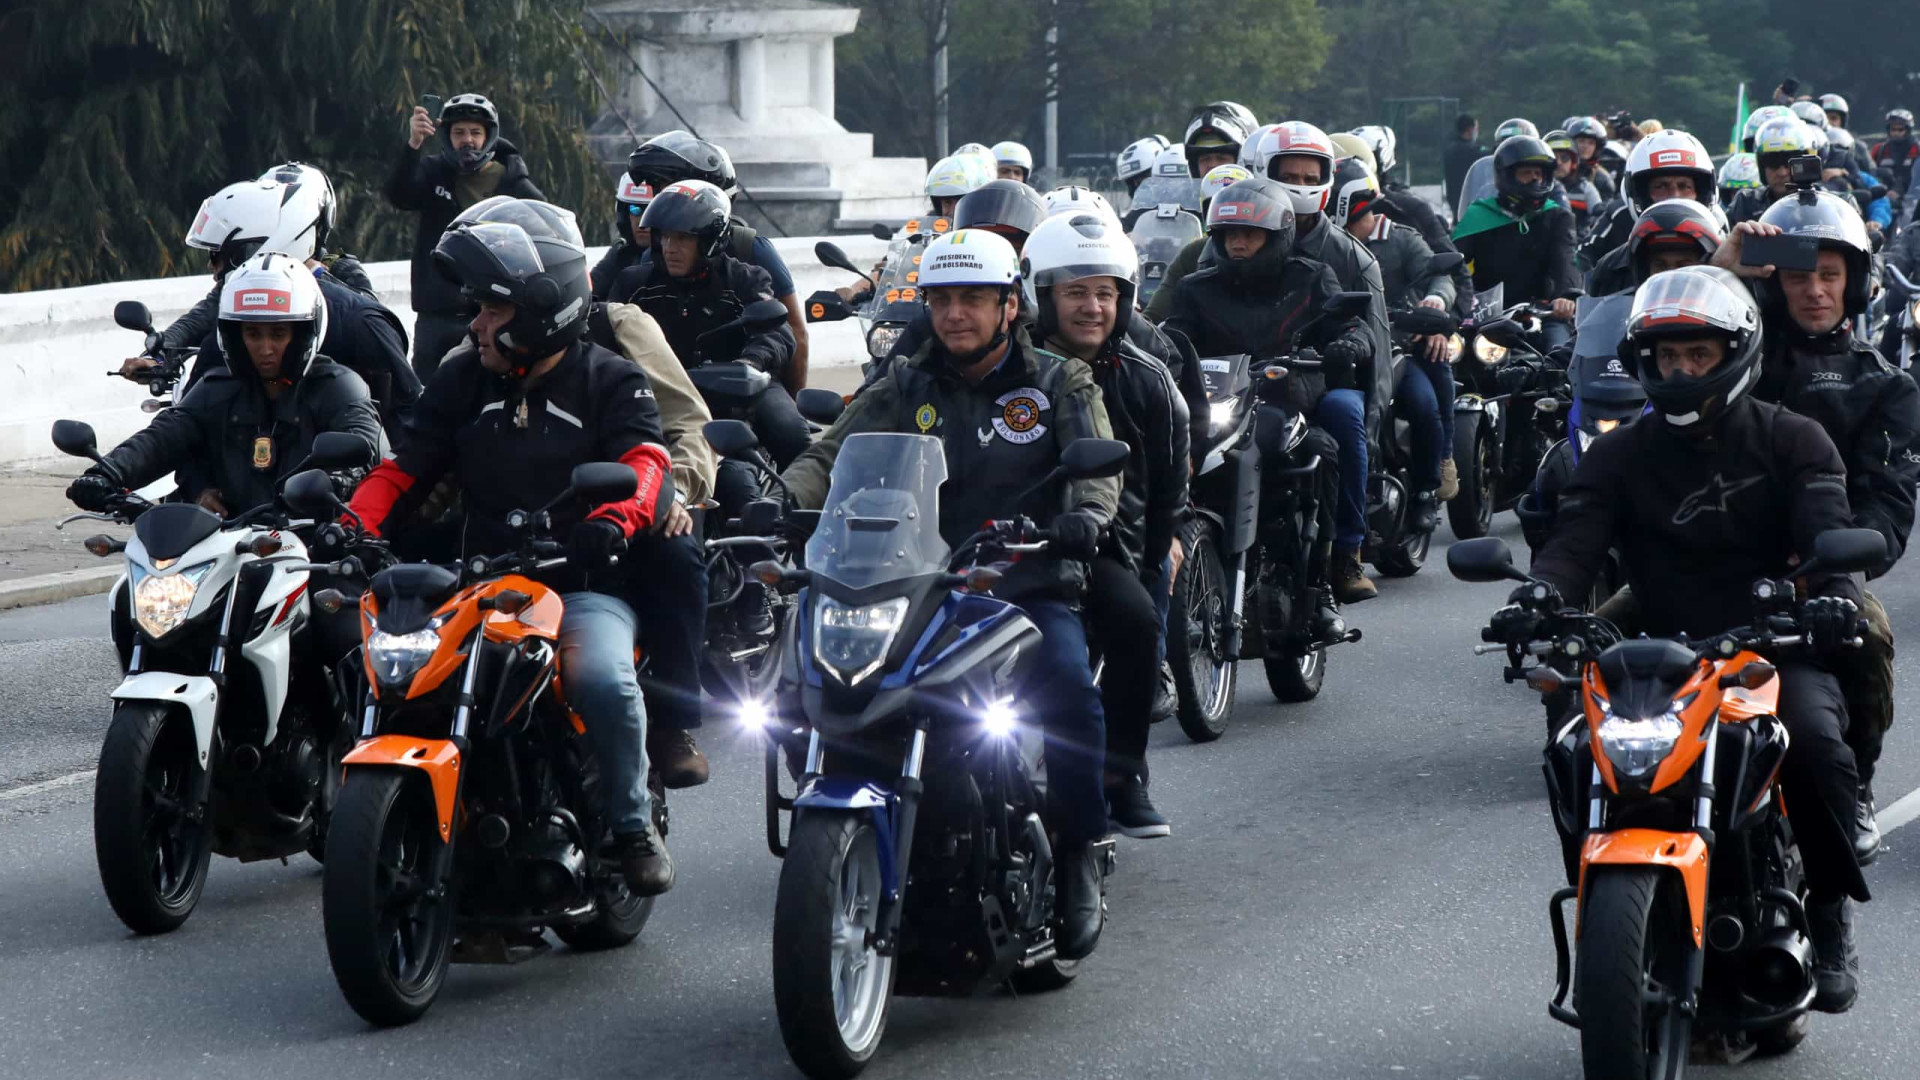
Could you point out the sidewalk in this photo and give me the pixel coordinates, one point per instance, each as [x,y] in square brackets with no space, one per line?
[33,499]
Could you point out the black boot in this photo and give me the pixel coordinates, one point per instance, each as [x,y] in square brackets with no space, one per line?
[1130,812]
[1328,623]
[1836,966]
[755,608]
[1165,696]
[1076,902]
[644,861]
[1866,834]
[1424,515]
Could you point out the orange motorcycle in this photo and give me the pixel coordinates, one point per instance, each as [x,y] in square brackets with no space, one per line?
[1690,917]
[468,820]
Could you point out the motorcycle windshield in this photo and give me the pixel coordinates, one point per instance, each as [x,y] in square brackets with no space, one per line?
[881,521]
[1159,239]
[1600,323]
[1478,185]
[896,294]
[1182,191]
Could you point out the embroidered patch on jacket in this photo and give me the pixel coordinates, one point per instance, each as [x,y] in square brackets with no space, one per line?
[925,417]
[1020,412]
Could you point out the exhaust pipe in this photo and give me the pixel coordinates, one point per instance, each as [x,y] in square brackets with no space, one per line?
[1725,933]
[245,758]
[1777,970]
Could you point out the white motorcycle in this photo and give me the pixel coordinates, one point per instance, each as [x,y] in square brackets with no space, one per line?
[226,736]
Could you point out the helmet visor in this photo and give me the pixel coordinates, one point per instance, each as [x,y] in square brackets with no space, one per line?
[1002,205]
[1682,300]
[505,250]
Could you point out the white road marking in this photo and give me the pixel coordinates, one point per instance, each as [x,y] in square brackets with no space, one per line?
[1903,810]
[69,780]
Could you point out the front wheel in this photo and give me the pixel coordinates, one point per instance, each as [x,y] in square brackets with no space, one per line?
[1632,970]
[389,930]
[1203,673]
[1470,512]
[831,988]
[151,844]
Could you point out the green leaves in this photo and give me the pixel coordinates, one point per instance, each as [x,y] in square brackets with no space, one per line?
[120,116]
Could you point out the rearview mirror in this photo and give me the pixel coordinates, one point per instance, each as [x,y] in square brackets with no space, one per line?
[730,438]
[820,405]
[829,254]
[310,494]
[826,306]
[762,314]
[603,481]
[75,437]
[133,315]
[1089,459]
[1846,551]
[1444,262]
[1502,332]
[882,232]
[760,517]
[1347,305]
[339,450]
[1423,320]
[1485,559]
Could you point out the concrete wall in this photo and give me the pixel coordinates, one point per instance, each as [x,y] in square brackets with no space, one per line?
[57,346]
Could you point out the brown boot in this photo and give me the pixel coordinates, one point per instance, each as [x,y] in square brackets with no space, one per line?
[1350,582]
[1449,480]
[674,756]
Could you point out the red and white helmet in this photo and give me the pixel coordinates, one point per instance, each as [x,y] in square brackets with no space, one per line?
[272,287]
[1297,137]
[631,192]
[1250,150]
[259,215]
[1669,151]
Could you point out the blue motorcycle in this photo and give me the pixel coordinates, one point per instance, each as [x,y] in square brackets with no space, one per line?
[902,677]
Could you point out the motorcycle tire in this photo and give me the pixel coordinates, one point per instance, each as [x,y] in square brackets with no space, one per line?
[389,955]
[329,799]
[1634,931]
[1782,1038]
[1202,606]
[619,916]
[1470,512]
[153,859]
[829,888]
[1293,676]
[1405,558]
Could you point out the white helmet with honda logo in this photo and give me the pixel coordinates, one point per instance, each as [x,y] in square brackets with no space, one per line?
[1297,138]
[1669,152]
[272,287]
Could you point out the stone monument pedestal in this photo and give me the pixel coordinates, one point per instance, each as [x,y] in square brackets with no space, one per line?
[755,77]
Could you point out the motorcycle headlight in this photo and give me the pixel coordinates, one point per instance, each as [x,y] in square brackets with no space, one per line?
[1485,351]
[1455,346]
[853,641]
[1221,415]
[1636,746]
[161,601]
[1604,426]
[881,339]
[397,658]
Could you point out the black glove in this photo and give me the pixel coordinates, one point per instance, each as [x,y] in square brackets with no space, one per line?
[1074,535]
[594,544]
[92,492]
[1829,621]
[1526,607]
[1339,364]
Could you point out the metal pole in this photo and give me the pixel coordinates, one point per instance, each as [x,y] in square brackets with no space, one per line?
[940,83]
[1053,87]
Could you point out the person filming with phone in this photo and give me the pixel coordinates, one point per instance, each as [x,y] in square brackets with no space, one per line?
[474,163]
[1810,257]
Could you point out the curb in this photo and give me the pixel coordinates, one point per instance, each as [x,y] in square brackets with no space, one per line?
[53,588]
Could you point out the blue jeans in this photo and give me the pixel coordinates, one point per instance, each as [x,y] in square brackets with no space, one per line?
[1343,415]
[1068,703]
[1440,376]
[1161,586]
[1415,402]
[597,633]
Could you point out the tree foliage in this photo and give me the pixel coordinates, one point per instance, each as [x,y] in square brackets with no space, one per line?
[119,116]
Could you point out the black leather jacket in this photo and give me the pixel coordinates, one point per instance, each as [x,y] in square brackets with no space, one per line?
[715,294]
[1149,415]
[424,182]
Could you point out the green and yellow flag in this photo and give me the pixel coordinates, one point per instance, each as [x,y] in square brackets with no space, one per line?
[1739,121]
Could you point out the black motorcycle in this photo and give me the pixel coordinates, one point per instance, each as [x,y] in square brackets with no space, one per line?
[1253,574]
[1500,432]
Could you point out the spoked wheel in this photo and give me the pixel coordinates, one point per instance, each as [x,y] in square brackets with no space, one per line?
[831,988]
[1470,512]
[1631,974]
[151,845]
[1405,558]
[388,937]
[1203,673]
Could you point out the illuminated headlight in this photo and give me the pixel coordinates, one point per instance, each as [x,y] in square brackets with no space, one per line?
[754,715]
[1604,426]
[161,602]
[1636,746]
[997,719]
[853,641]
[1455,346]
[1222,415]
[397,658]
[881,339]
[1485,351]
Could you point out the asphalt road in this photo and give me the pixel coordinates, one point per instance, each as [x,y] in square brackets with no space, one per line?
[1354,888]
